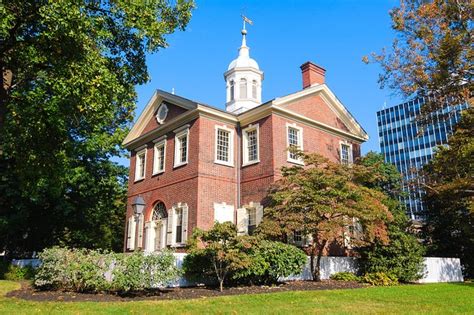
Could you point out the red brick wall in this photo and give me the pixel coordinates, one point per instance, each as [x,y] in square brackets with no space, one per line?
[315,107]
[173,111]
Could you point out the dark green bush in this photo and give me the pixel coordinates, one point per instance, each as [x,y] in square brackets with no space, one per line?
[344,276]
[82,270]
[380,279]
[270,261]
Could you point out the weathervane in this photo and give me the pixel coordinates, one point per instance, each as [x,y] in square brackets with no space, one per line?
[246,20]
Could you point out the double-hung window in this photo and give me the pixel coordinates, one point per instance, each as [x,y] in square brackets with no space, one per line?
[224,146]
[251,145]
[140,164]
[159,156]
[294,140]
[181,146]
[346,154]
[179,225]
[252,212]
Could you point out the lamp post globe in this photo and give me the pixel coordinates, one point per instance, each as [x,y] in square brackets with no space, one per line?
[138,205]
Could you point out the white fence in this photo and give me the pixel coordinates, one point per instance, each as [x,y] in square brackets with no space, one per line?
[437,269]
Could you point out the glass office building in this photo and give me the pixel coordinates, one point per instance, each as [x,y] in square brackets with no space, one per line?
[406,145]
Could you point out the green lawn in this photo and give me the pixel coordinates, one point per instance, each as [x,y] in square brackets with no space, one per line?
[408,299]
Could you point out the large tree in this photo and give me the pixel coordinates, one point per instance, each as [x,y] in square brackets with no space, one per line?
[324,201]
[432,55]
[69,72]
[403,255]
[449,200]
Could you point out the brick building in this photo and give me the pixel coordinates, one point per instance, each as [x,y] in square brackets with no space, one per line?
[192,164]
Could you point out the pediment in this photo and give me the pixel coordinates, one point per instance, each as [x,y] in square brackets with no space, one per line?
[148,120]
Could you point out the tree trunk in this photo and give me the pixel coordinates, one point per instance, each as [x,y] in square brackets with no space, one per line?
[221,285]
[6,84]
[316,267]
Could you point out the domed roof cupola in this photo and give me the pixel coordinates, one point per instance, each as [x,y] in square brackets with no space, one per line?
[243,80]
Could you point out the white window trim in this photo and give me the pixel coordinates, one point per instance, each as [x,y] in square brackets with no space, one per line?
[245,150]
[184,227]
[351,159]
[161,142]
[300,143]
[178,134]
[140,151]
[231,146]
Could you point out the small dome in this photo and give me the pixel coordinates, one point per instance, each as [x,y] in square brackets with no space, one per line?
[243,62]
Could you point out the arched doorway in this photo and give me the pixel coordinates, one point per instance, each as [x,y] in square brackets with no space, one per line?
[156,228]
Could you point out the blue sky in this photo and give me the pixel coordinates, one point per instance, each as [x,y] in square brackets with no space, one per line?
[334,34]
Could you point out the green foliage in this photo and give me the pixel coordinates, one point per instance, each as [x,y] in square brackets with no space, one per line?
[449,200]
[222,255]
[380,279]
[69,70]
[16,273]
[344,276]
[216,253]
[270,261]
[82,270]
[322,200]
[431,55]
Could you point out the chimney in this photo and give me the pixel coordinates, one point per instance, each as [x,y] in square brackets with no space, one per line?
[312,74]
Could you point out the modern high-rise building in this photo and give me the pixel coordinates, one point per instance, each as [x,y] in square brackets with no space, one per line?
[407,146]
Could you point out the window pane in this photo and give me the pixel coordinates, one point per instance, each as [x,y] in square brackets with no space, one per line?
[252,145]
[232,90]
[293,140]
[345,154]
[179,225]
[141,165]
[254,89]
[183,149]
[252,220]
[223,145]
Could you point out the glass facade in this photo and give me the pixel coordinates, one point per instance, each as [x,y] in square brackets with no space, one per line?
[408,146]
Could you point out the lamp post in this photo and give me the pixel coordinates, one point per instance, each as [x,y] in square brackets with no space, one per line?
[138,205]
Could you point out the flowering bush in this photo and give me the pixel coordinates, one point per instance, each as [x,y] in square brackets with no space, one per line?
[83,270]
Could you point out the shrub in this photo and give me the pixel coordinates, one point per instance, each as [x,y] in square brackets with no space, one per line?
[83,270]
[270,261]
[136,271]
[380,279]
[344,276]
[224,256]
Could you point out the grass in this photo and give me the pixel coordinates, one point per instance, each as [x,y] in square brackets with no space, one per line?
[455,298]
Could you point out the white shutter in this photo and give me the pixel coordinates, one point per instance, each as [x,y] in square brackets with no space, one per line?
[184,229]
[169,232]
[132,230]
[242,221]
[149,236]
[259,214]
[129,232]
[140,231]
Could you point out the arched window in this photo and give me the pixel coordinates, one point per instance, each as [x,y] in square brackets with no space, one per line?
[159,212]
[254,89]
[232,93]
[159,218]
[243,88]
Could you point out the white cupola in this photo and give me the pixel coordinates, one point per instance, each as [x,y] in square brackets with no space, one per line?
[243,81]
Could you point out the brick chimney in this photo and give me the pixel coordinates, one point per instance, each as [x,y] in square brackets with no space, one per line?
[312,74]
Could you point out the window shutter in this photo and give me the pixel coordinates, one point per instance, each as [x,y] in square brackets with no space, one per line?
[140,231]
[169,232]
[184,230]
[132,230]
[129,232]
[308,239]
[259,214]
[242,221]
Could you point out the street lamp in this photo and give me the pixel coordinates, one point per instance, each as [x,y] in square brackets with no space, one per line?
[138,206]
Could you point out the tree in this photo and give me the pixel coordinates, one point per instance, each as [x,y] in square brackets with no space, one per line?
[432,54]
[323,200]
[69,72]
[218,252]
[403,255]
[448,180]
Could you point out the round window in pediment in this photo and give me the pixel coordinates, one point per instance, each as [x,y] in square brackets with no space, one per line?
[161,113]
